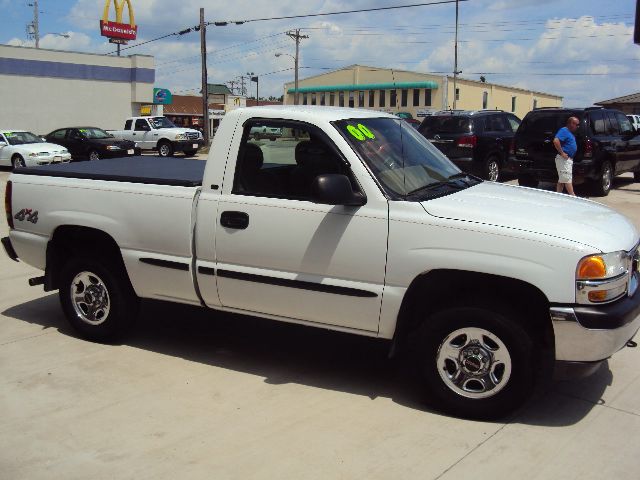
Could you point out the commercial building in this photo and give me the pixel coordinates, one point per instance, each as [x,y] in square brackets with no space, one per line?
[395,91]
[186,110]
[629,104]
[48,89]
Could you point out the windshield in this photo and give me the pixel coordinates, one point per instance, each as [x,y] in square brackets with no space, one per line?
[161,122]
[445,124]
[402,160]
[94,133]
[22,138]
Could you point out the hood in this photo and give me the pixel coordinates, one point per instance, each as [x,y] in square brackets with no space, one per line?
[177,130]
[537,211]
[41,147]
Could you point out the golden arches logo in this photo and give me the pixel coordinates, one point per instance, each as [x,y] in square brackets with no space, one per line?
[119,6]
[118,29]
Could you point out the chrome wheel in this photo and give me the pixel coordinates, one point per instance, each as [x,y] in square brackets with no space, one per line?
[164,150]
[90,298]
[493,170]
[18,162]
[607,175]
[93,156]
[474,363]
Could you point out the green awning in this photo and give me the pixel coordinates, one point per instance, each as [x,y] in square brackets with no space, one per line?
[366,86]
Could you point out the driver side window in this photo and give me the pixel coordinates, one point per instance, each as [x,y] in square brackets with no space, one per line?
[282,160]
[141,125]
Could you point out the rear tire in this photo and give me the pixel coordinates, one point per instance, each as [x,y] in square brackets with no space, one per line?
[97,298]
[17,162]
[491,169]
[165,149]
[477,361]
[602,186]
[527,181]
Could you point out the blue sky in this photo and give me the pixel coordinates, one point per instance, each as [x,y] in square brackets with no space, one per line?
[581,49]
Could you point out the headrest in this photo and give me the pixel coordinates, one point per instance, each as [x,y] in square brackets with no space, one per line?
[253,158]
[307,149]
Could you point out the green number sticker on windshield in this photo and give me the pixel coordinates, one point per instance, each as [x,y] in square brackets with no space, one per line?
[367,133]
[355,132]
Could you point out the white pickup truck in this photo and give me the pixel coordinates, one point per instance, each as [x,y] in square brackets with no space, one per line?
[161,135]
[350,221]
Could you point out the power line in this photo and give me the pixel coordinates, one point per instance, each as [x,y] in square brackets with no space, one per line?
[289,17]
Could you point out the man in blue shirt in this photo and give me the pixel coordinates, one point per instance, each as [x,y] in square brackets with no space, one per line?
[565,143]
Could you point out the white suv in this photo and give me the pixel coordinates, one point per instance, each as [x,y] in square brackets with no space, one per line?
[19,148]
[635,121]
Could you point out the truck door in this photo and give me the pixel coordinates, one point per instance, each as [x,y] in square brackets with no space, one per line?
[142,134]
[278,253]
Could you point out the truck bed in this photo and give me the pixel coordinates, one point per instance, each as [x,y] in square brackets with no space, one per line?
[177,172]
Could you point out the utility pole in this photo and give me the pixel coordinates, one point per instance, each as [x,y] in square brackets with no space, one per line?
[295,34]
[205,90]
[243,89]
[232,86]
[254,78]
[33,28]
[455,63]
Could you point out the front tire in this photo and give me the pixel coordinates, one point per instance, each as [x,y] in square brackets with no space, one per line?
[17,162]
[94,156]
[165,149]
[476,361]
[97,299]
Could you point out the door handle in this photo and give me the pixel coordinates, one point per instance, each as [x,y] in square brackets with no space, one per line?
[547,141]
[235,220]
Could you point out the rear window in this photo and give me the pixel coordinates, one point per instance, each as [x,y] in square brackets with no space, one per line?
[445,124]
[539,124]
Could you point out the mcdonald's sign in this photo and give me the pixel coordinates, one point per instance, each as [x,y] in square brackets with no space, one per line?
[118,29]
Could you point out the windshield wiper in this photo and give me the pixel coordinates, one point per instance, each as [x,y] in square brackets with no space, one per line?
[449,182]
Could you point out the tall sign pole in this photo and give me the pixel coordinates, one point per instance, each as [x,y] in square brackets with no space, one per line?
[455,64]
[205,93]
[36,23]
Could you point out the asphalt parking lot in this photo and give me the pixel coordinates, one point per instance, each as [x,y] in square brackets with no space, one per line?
[197,394]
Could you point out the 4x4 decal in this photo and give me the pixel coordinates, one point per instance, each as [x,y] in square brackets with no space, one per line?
[27,214]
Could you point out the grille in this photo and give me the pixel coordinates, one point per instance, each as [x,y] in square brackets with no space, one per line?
[192,135]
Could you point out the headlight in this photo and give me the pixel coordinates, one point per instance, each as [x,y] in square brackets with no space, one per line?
[112,147]
[181,136]
[602,278]
[33,154]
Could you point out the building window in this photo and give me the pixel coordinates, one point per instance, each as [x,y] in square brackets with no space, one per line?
[372,95]
[427,97]
[351,100]
[332,99]
[361,99]
[341,99]
[383,98]
[304,98]
[513,104]
[535,103]
[485,100]
[322,98]
[393,98]
[457,94]
[404,96]
[313,99]
[416,97]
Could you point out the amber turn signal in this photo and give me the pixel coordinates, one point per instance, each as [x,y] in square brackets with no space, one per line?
[591,268]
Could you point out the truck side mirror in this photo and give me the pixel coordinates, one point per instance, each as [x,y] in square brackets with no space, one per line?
[3,144]
[335,189]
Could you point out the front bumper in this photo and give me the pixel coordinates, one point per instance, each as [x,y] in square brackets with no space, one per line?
[594,333]
[182,145]
[52,159]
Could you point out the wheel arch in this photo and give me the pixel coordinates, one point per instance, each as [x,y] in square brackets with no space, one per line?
[455,287]
[69,240]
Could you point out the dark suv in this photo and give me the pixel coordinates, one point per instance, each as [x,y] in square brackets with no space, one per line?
[476,141]
[608,145]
